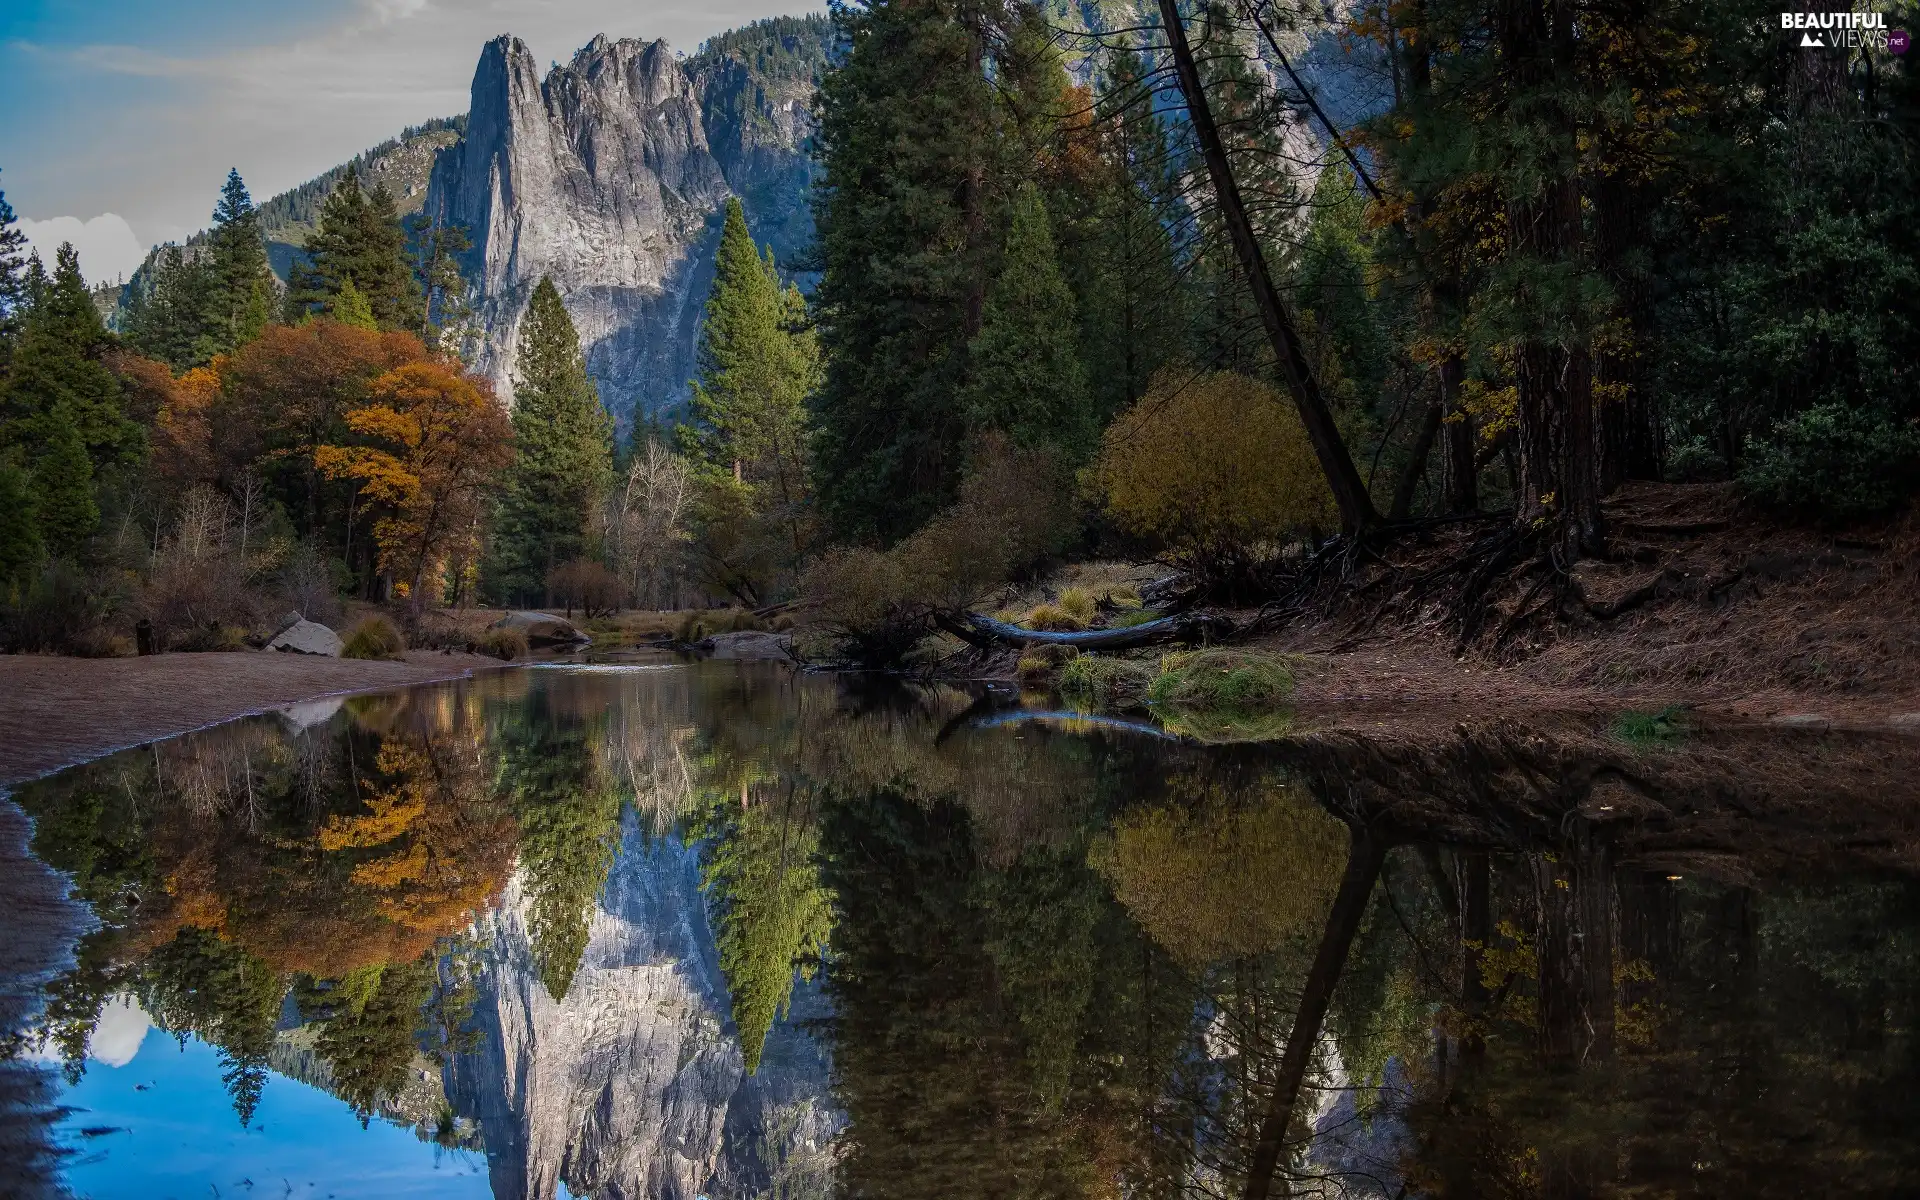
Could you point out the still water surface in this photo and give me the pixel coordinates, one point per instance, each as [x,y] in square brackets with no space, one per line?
[728,931]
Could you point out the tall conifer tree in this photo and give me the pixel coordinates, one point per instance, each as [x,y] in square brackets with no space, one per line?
[1026,376]
[564,463]
[13,280]
[360,238]
[57,378]
[905,233]
[240,288]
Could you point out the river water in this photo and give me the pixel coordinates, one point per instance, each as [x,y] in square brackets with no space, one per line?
[721,930]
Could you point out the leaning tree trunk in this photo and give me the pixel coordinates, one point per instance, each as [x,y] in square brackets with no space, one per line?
[1343,479]
[1365,857]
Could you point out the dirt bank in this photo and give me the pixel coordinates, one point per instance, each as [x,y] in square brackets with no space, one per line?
[55,712]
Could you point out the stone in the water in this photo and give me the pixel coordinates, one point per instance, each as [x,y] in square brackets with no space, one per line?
[307,637]
[748,644]
[543,629]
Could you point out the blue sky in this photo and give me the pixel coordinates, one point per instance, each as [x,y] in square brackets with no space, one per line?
[122,116]
[173,1133]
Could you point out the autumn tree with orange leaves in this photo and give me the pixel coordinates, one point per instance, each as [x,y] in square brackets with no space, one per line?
[433,437]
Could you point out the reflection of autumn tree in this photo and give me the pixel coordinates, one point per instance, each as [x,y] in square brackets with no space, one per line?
[230,862]
[1213,879]
[569,817]
[770,914]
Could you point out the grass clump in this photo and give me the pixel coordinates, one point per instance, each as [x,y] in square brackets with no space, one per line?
[1222,679]
[1223,695]
[1651,730]
[1052,618]
[1078,603]
[1093,682]
[504,644]
[375,637]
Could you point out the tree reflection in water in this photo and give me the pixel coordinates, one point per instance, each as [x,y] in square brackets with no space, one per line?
[1062,958]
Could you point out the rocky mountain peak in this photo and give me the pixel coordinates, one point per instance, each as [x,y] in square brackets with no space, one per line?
[605,177]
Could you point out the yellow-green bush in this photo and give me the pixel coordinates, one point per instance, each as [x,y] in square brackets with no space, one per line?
[1078,603]
[1216,468]
[374,637]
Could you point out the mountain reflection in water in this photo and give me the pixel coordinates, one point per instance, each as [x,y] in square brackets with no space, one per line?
[729,931]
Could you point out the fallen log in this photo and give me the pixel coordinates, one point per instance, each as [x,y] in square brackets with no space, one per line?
[981,630]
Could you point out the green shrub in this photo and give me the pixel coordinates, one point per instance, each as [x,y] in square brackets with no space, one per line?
[1132,617]
[503,644]
[1833,460]
[1094,681]
[375,637]
[1649,730]
[1222,679]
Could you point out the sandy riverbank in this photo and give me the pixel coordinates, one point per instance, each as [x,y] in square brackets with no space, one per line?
[55,712]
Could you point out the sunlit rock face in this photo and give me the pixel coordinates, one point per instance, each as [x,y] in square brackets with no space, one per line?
[608,175]
[632,1085]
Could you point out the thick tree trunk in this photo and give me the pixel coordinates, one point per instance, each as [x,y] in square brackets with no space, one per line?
[1364,860]
[1416,467]
[1461,491]
[1553,375]
[1343,479]
[1629,429]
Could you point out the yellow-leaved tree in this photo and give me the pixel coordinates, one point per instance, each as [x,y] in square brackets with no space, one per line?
[434,440]
[1216,469]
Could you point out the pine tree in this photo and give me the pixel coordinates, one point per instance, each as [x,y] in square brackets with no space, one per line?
[20,542]
[13,280]
[167,306]
[758,364]
[57,377]
[564,461]
[238,273]
[1027,380]
[905,230]
[350,307]
[63,485]
[359,238]
[1126,274]
[446,311]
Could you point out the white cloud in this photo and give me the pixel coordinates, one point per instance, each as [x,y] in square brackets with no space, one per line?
[116,1036]
[108,249]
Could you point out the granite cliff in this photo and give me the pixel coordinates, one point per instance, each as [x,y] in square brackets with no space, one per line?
[608,174]
[632,1084]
